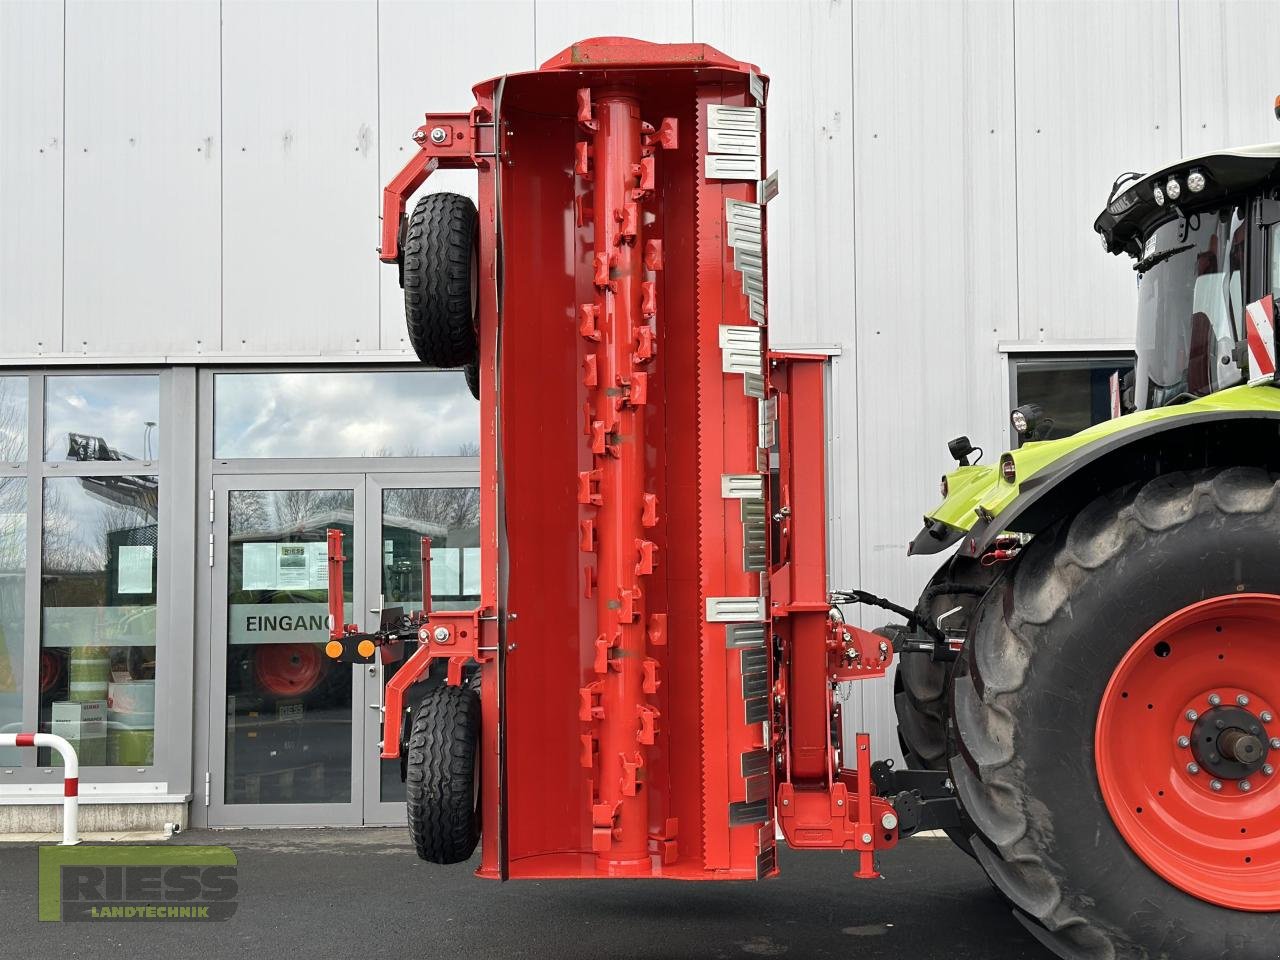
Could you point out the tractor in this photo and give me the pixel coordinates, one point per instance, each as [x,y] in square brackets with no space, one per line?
[1111,723]
[650,684]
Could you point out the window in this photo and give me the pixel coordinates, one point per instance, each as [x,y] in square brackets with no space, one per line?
[404,413]
[1074,391]
[1273,273]
[1190,299]
[92,485]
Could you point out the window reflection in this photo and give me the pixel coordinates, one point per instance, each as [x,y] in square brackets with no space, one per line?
[102,418]
[406,413]
[450,516]
[13,548]
[13,419]
[98,617]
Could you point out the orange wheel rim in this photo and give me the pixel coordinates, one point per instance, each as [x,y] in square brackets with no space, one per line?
[1187,748]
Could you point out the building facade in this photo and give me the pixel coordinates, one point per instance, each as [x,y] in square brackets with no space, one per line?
[203,363]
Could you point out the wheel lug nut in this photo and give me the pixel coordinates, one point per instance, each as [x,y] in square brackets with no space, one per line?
[1266,716]
[1192,716]
[1214,699]
[1193,768]
[1184,742]
[1215,785]
[1242,700]
[1245,786]
[1268,769]
[1275,743]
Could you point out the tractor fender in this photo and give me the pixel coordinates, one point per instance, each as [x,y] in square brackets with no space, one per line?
[1212,438]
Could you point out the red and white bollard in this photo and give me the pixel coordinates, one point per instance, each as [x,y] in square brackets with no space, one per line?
[70,777]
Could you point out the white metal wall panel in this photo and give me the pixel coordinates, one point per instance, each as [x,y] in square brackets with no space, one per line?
[142,172]
[934,258]
[806,50]
[1096,88]
[562,22]
[30,178]
[422,67]
[1229,73]
[301,179]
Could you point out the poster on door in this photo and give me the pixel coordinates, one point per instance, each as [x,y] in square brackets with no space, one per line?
[285,566]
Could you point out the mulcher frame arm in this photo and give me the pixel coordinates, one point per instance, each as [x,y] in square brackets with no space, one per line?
[821,802]
[446,141]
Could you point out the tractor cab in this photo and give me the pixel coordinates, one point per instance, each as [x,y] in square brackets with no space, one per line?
[1200,236]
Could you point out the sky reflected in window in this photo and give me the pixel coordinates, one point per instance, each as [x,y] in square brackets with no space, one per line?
[406,413]
[13,419]
[102,418]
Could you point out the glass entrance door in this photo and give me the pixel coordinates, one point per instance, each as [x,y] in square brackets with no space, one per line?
[288,728]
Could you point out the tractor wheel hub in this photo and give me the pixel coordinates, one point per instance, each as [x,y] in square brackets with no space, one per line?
[1229,743]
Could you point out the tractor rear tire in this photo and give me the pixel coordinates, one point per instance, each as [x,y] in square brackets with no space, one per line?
[472,372]
[438,273]
[442,775]
[1085,598]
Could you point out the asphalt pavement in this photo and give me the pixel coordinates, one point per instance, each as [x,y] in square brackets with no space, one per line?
[324,893]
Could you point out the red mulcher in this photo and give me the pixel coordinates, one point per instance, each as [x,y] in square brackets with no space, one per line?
[654,656]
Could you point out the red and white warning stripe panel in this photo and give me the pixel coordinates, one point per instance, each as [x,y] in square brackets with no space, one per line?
[1260,330]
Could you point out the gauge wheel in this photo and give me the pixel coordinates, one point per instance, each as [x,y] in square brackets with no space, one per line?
[472,373]
[1118,724]
[442,776]
[439,274]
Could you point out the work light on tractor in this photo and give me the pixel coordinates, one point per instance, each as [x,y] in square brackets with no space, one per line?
[651,685]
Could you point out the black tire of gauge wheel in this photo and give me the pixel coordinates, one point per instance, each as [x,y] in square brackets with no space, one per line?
[442,777]
[1025,702]
[472,372]
[438,270]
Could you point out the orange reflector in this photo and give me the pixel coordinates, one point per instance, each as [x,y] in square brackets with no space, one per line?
[333,649]
[365,648]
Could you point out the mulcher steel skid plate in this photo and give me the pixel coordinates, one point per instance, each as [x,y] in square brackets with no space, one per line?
[656,655]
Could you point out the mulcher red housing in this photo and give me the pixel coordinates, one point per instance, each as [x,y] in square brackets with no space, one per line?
[656,651]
